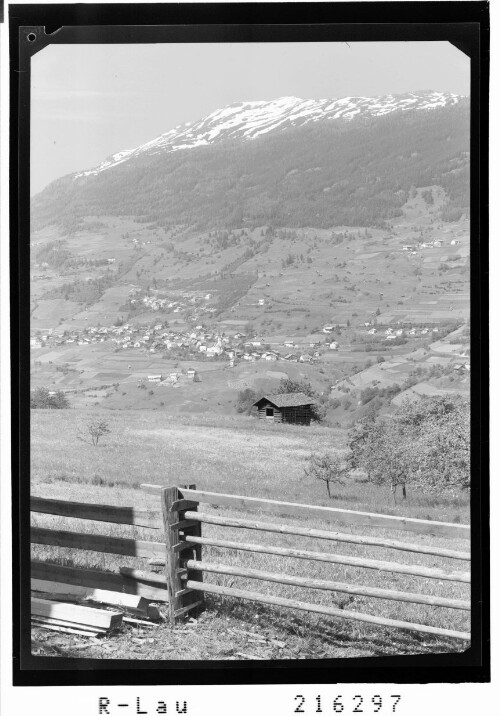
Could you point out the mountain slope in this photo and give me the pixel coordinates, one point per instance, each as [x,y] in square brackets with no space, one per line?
[324,163]
[249,120]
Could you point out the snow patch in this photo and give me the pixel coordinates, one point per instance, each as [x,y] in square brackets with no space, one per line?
[251,119]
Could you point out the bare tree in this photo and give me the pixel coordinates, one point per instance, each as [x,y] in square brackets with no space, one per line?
[96,428]
[329,467]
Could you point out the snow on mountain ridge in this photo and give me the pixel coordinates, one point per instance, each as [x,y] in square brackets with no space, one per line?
[252,119]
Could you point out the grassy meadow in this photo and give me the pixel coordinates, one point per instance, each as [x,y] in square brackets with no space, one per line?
[242,455]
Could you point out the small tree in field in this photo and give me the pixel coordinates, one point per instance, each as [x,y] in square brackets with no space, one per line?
[96,429]
[329,467]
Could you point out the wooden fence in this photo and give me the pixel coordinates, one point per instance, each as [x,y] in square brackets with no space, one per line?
[186,570]
[143,583]
[178,522]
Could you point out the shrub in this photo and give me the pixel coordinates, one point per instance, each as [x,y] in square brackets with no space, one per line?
[41,398]
[368,394]
[426,444]
[246,399]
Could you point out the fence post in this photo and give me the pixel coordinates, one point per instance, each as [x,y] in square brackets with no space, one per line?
[169,495]
[195,553]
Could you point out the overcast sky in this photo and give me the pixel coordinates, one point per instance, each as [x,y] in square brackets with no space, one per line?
[89,101]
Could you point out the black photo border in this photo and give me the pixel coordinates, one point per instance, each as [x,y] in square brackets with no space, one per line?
[466,25]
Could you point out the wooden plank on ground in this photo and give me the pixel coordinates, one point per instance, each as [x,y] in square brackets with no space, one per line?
[99,579]
[76,613]
[97,543]
[66,629]
[328,514]
[103,513]
[70,624]
[319,609]
[127,601]
[103,596]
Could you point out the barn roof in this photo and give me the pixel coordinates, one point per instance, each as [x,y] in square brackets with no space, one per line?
[288,400]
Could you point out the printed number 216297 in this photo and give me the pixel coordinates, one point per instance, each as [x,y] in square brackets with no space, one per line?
[356,705]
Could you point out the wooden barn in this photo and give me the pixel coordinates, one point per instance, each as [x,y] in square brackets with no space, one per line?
[285,408]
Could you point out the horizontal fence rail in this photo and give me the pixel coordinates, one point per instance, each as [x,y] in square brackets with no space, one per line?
[144,584]
[97,543]
[95,578]
[395,567]
[330,611]
[103,513]
[329,514]
[327,535]
[310,583]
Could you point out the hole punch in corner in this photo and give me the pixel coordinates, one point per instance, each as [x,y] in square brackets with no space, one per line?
[35,38]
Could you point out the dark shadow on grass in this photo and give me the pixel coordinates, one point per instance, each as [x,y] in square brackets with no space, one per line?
[337,633]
